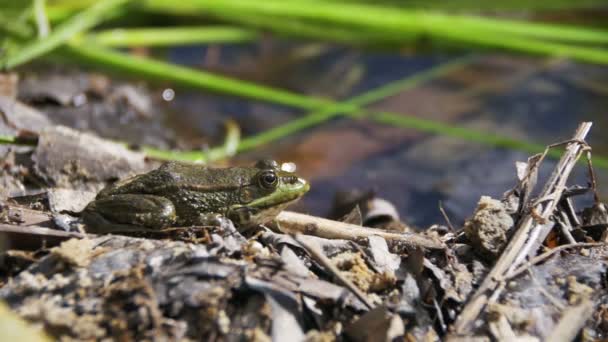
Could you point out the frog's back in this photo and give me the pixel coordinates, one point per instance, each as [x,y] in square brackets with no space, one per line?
[173,177]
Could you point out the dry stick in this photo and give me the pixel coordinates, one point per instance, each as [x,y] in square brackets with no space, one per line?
[446,217]
[317,254]
[529,234]
[572,213]
[289,222]
[565,226]
[40,231]
[295,223]
[596,197]
[572,321]
[556,186]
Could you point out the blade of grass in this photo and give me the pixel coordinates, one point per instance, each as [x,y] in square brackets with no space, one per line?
[171,36]
[228,149]
[42,21]
[503,5]
[476,31]
[383,17]
[428,126]
[14,26]
[563,33]
[350,106]
[75,25]
[290,27]
[7,139]
[198,79]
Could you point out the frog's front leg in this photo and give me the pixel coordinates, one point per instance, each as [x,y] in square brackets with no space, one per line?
[128,213]
[210,220]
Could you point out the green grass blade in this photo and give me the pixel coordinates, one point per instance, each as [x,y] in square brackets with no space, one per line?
[350,106]
[172,36]
[7,139]
[476,31]
[75,25]
[480,24]
[158,70]
[42,22]
[434,127]
[228,149]
[384,18]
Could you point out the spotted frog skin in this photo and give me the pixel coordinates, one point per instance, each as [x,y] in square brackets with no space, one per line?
[178,195]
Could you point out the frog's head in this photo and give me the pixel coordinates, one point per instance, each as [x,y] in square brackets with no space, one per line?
[269,190]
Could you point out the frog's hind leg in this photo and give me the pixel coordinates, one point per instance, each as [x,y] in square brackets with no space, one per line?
[128,213]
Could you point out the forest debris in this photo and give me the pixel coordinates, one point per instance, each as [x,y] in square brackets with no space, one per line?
[23,216]
[355,269]
[8,84]
[384,260]
[597,214]
[68,200]
[226,286]
[318,255]
[501,330]
[65,157]
[515,315]
[529,234]
[577,292]
[380,209]
[294,223]
[135,97]
[14,328]
[16,116]
[55,88]
[353,217]
[285,313]
[364,208]
[378,324]
[328,246]
[488,228]
[75,251]
[293,263]
[571,322]
[548,254]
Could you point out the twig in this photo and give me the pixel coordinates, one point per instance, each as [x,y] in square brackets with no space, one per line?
[318,255]
[571,212]
[40,231]
[295,223]
[565,226]
[596,197]
[446,217]
[529,234]
[442,324]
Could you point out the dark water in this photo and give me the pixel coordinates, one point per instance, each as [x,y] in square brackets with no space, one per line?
[531,99]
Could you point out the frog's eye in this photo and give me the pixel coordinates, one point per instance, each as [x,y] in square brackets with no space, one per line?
[268,179]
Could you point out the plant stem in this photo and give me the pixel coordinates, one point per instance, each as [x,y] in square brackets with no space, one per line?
[198,79]
[75,25]
[350,107]
[511,35]
[171,36]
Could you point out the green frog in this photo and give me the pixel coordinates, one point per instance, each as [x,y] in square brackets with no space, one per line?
[179,195]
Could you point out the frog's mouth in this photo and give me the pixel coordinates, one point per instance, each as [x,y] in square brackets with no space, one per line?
[284,195]
[265,209]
